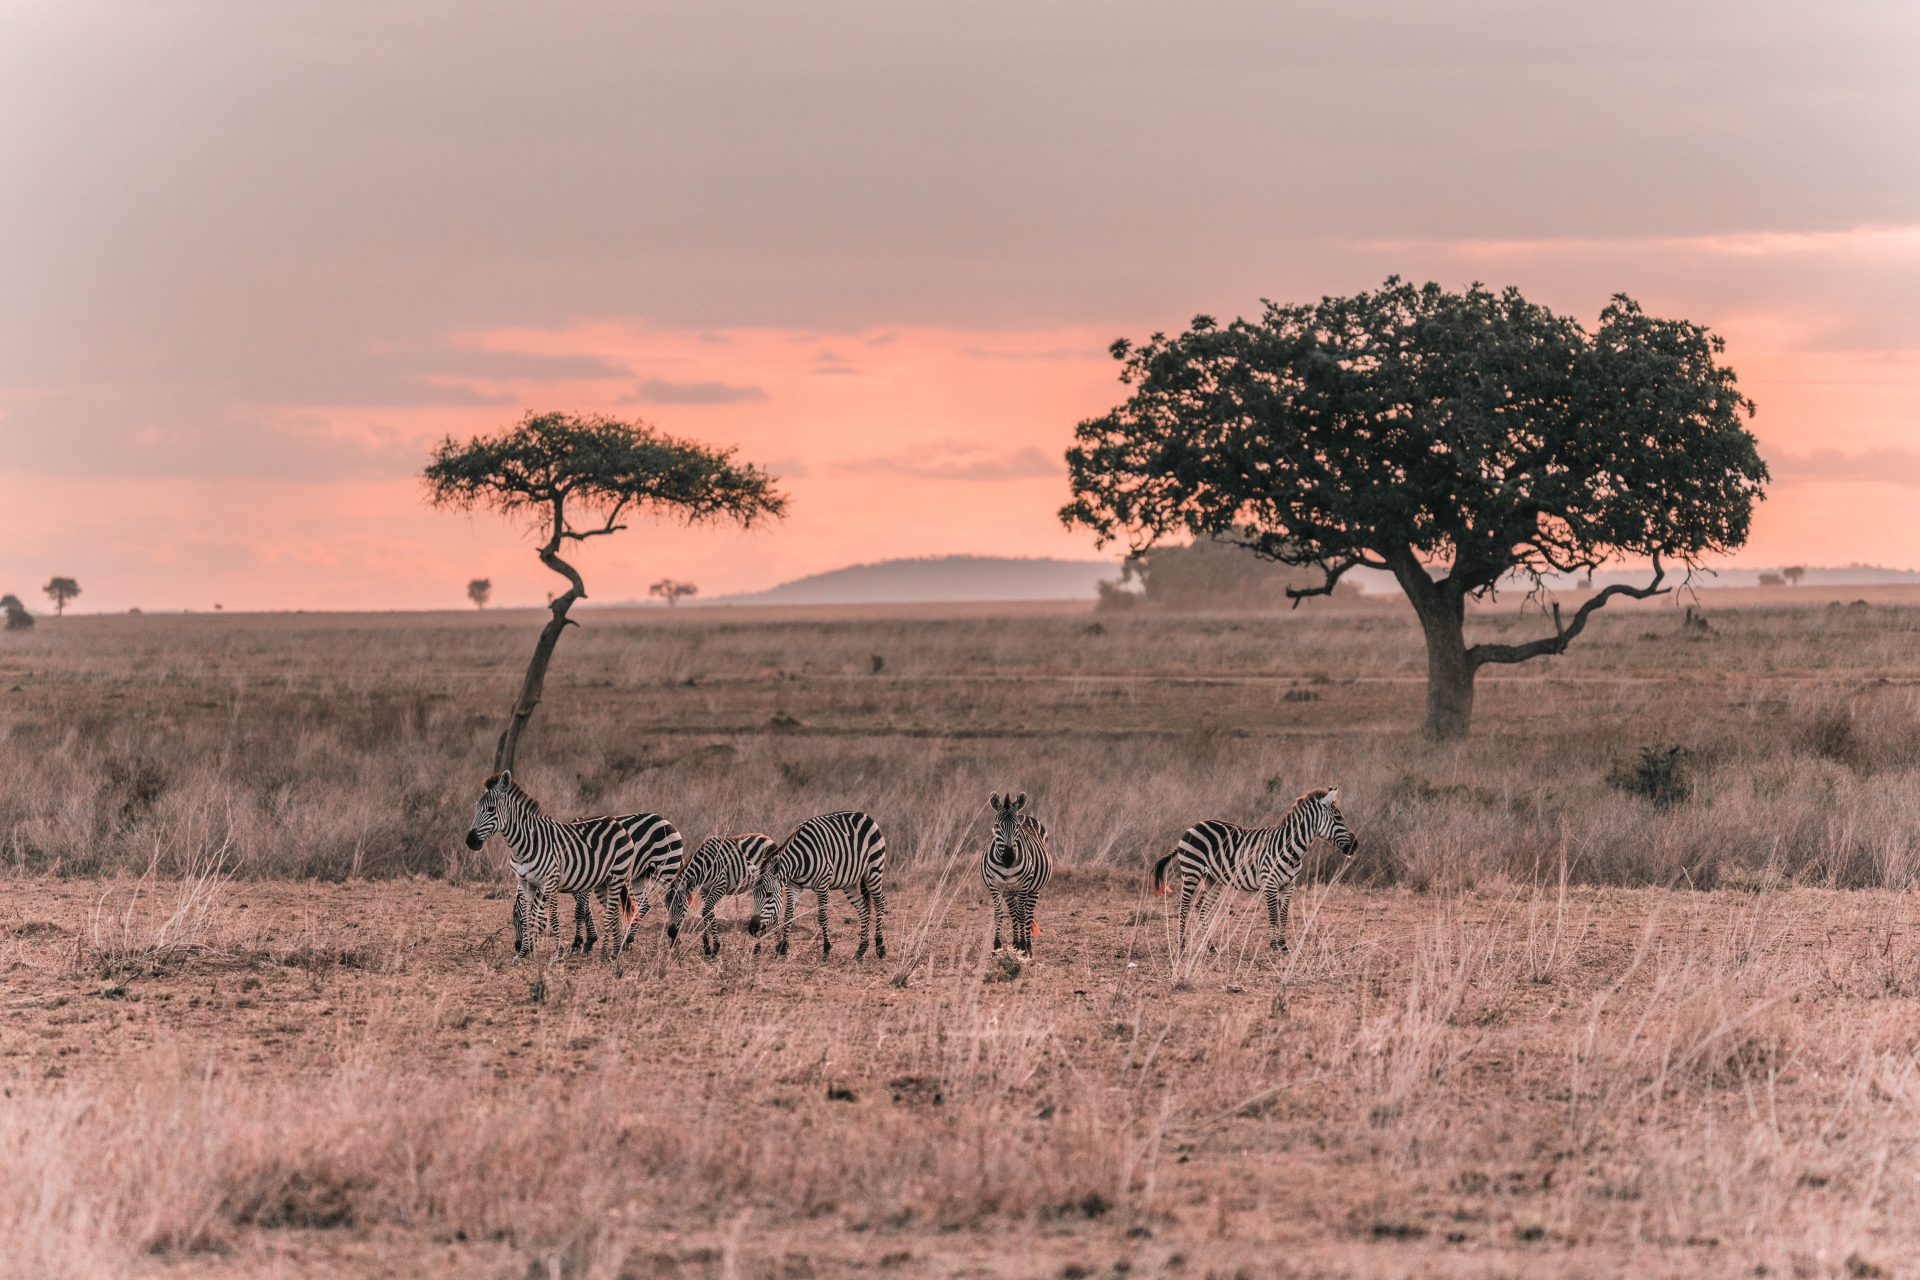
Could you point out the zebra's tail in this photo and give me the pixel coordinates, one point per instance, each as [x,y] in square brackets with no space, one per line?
[1160,885]
[629,911]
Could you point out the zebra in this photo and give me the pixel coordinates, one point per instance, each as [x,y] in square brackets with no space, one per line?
[657,849]
[720,867]
[1249,858]
[589,855]
[1015,867]
[842,850]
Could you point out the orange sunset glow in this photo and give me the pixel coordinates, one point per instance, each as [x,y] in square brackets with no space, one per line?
[882,251]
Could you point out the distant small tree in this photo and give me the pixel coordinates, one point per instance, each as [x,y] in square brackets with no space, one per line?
[1773,579]
[61,590]
[1793,573]
[479,591]
[1459,441]
[552,468]
[18,619]
[673,592]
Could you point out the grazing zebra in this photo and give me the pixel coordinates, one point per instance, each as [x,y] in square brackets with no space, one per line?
[590,855]
[1015,867]
[720,867]
[1247,858]
[657,849]
[833,851]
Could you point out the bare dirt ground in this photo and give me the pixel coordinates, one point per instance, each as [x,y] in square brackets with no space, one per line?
[352,1079]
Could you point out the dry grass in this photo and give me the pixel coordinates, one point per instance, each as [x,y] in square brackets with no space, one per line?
[344,747]
[1703,1083]
[1502,1045]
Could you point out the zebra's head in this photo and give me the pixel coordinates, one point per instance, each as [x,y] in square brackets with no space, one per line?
[1331,823]
[1006,827]
[679,891]
[764,905]
[486,814]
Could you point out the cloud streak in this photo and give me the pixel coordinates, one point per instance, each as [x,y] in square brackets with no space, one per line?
[958,460]
[1836,466]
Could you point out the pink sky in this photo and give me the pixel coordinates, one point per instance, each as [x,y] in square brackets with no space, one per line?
[250,282]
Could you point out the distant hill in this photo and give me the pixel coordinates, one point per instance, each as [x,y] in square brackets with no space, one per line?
[940,579]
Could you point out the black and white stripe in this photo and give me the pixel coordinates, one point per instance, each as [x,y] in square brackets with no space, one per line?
[720,867]
[833,851]
[1216,853]
[657,850]
[589,856]
[1015,867]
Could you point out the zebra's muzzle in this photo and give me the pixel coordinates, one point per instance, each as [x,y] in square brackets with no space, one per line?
[474,840]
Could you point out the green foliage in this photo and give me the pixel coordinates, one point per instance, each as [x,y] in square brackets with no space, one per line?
[598,465]
[1475,429]
[1659,775]
[18,619]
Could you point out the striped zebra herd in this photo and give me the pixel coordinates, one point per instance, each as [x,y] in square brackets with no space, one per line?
[608,864]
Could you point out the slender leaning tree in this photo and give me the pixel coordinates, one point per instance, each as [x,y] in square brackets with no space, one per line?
[1458,441]
[553,469]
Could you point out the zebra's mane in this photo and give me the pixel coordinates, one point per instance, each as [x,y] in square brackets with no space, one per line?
[1318,793]
[514,788]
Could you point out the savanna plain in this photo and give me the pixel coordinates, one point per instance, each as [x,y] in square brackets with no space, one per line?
[1584,1004]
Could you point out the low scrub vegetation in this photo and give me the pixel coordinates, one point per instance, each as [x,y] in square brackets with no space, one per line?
[343,747]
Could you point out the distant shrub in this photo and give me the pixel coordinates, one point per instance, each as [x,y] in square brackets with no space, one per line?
[1659,775]
[1773,580]
[18,619]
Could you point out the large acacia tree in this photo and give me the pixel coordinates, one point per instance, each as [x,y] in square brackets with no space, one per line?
[1458,441]
[555,470]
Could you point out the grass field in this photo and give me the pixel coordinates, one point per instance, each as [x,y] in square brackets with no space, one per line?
[263,1020]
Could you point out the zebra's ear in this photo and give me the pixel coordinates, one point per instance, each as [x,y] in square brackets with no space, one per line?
[993,801]
[506,776]
[1333,795]
[1021,803]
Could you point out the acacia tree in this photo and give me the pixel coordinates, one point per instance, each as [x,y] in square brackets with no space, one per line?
[61,590]
[1455,440]
[553,469]
[480,590]
[672,590]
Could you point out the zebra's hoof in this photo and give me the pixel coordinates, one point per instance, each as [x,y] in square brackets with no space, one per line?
[879,949]
[860,952]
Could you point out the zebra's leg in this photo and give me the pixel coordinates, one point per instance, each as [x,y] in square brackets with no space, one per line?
[878,897]
[1286,907]
[1275,919]
[1026,924]
[786,918]
[584,935]
[522,924]
[999,905]
[615,927]
[551,895]
[1187,888]
[820,900]
[857,899]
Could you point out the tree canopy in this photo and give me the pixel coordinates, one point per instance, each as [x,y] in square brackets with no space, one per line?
[553,468]
[1456,440]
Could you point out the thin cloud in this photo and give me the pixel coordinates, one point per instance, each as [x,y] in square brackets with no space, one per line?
[958,460]
[1833,466]
[664,391]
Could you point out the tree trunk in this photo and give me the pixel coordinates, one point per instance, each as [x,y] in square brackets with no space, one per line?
[1442,610]
[535,683]
[1449,678]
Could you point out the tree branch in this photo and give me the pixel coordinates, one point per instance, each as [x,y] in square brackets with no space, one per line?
[1355,561]
[1481,655]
